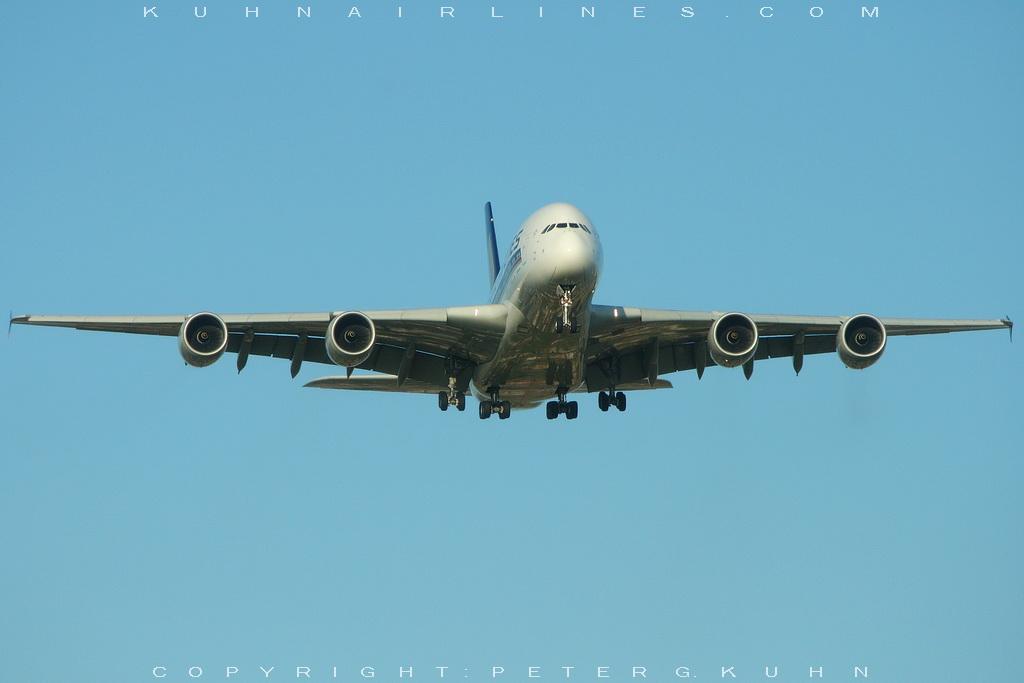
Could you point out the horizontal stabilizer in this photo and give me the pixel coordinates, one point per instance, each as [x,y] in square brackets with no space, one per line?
[643,385]
[375,382]
[639,385]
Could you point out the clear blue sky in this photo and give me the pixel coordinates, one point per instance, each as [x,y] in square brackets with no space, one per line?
[154,514]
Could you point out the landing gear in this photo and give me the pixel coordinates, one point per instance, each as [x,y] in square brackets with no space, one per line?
[572,409]
[452,397]
[611,398]
[562,407]
[493,405]
[566,321]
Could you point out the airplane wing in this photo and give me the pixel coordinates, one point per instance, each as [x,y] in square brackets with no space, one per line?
[630,344]
[420,344]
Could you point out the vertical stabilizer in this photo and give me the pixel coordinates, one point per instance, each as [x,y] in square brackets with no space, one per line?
[492,243]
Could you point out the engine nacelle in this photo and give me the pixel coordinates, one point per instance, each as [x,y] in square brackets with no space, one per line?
[202,339]
[861,341]
[732,340]
[350,338]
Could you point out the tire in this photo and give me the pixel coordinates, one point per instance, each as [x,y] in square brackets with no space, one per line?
[602,402]
[460,401]
[485,410]
[559,327]
[573,327]
[552,409]
[442,400]
[572,409]
[620,401]
[506,410]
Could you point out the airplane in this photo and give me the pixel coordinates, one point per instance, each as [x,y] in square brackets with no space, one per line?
[538,340]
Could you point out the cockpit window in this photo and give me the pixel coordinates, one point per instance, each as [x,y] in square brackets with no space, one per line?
[551,227]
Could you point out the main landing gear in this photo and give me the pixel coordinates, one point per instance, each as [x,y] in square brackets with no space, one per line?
[452,397]
[562,407]
[493,405]
[566,322]
[444,399]
[605,399]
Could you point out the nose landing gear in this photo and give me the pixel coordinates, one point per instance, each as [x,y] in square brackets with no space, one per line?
[562,407]
[493,405]
[566,321]
[611,398]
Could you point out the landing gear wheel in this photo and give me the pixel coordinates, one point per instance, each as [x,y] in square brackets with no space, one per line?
[562,407]
[493,405]
[460,402]
[602,402]
[442,400]
[559,327]
[620,401]
[573,327]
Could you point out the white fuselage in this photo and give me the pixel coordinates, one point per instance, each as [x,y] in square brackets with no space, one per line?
[556,248]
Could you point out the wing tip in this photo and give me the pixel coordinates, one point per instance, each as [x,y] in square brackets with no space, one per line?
[1009,325]
[13,320]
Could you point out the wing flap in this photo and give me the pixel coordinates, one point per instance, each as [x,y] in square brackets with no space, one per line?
[631,367]
[280,346]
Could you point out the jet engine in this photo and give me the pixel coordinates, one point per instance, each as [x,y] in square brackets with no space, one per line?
[861,341]
[732,340]
[202,339]
[350,338]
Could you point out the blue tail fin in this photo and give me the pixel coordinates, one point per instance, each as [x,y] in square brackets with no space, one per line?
[492,243]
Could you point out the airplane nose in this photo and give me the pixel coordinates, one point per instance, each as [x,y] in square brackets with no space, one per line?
[574,256]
